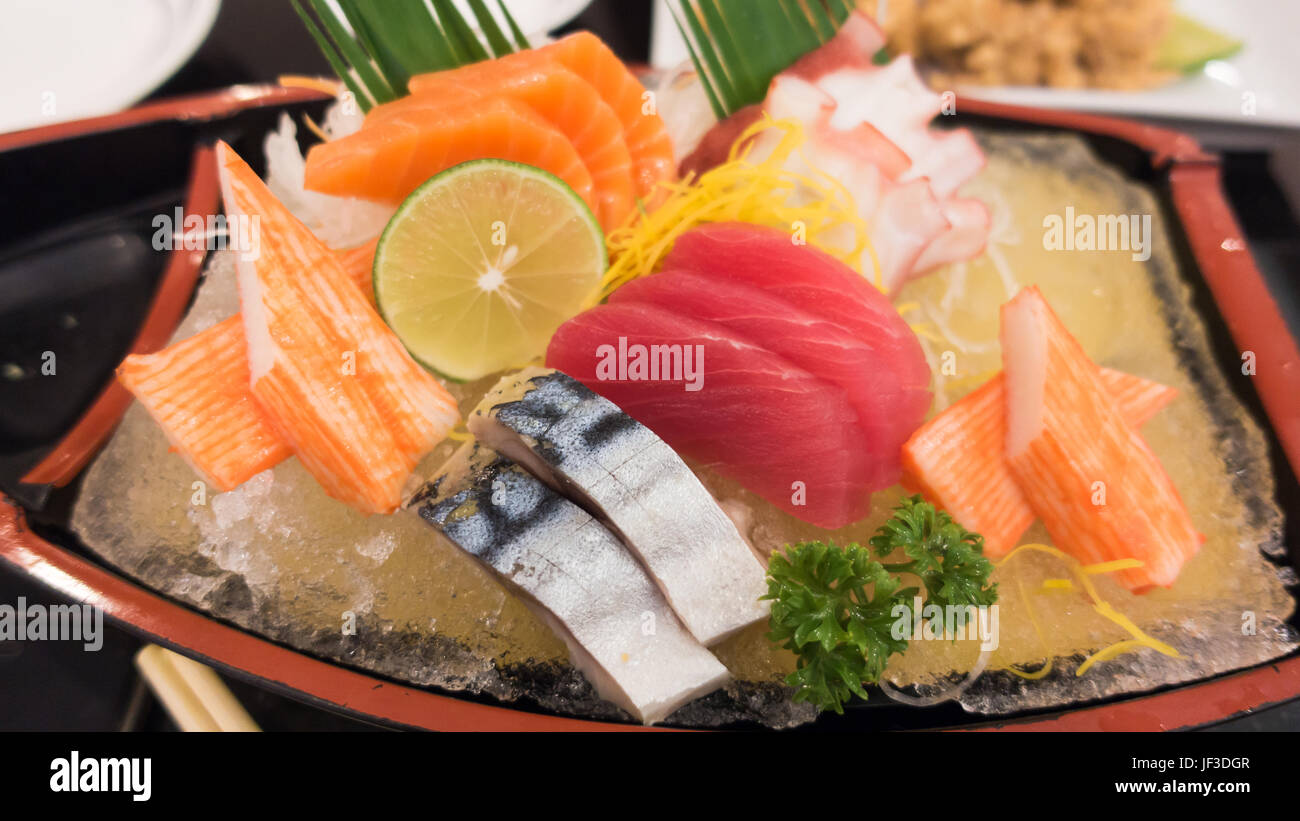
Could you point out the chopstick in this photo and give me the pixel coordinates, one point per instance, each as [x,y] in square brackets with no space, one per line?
[192,693]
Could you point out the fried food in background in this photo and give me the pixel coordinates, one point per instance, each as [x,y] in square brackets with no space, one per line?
[1059,43]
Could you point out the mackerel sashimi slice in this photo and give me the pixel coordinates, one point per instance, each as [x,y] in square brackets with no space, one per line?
[787,435]
[331,377]
[577,576]
[618,470]
[1084,469]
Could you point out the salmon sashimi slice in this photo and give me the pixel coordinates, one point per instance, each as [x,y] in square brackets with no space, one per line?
[956,459]
[197,392]
[643,129]
[331,377]
[1084,469]
[564,99]
[752,415]
[390,159]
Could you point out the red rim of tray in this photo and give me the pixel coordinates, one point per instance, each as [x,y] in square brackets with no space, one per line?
[1216,241]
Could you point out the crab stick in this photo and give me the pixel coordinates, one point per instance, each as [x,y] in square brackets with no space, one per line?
[1084,469]
[956,459]
[329,374]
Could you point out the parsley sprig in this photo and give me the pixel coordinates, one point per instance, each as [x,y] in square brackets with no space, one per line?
[833,606]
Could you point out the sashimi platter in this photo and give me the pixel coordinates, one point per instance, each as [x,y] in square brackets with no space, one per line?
[749,394]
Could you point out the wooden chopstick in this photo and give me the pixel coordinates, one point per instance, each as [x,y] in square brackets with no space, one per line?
[192,693]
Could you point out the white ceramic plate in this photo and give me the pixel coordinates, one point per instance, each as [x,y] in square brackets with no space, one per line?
[66,59]
[1263,78]
[1260,85]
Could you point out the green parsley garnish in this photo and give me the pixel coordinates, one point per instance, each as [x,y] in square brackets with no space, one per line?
[833,606]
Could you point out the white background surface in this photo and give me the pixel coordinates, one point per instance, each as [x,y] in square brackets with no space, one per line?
[65,59]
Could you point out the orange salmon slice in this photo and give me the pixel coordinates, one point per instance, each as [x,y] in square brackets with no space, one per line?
[956,459]
[330,376]
[1084,469]
[388,160]
[564,99]
[197,392]
[647,139]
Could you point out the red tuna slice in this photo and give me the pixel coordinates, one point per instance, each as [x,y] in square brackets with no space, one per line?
[822,348]
[815,282]
[756,417]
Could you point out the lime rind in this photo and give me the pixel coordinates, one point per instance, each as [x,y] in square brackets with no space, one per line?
[579,225]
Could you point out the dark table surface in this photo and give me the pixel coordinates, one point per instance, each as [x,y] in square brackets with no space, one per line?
[59,686]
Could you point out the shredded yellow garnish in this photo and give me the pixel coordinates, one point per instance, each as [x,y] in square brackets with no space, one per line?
[1082,574]
[315,129]
[1058,584]
[331,87]
[1111,567]
[740,190]
[460,433]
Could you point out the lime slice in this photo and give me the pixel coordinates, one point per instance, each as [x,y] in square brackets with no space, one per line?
[483,262]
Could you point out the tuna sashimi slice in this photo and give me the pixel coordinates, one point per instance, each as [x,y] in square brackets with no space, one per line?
[643,129]
[1085,471]
[564,99]
[783,433]
[815,283]
[390,159]
[616,469]
[956,459]
[331,377]
[888,403]
[577,577]
[197,392]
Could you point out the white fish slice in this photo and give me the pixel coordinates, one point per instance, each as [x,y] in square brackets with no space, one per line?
[615,468]
[576,576]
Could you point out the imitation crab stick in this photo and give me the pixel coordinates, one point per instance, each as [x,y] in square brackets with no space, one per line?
[1084,469]
[197,391]
[564,99]
[956,459]
[331,377]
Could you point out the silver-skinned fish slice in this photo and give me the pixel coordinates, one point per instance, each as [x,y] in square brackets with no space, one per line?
[618,470]
[577,576]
